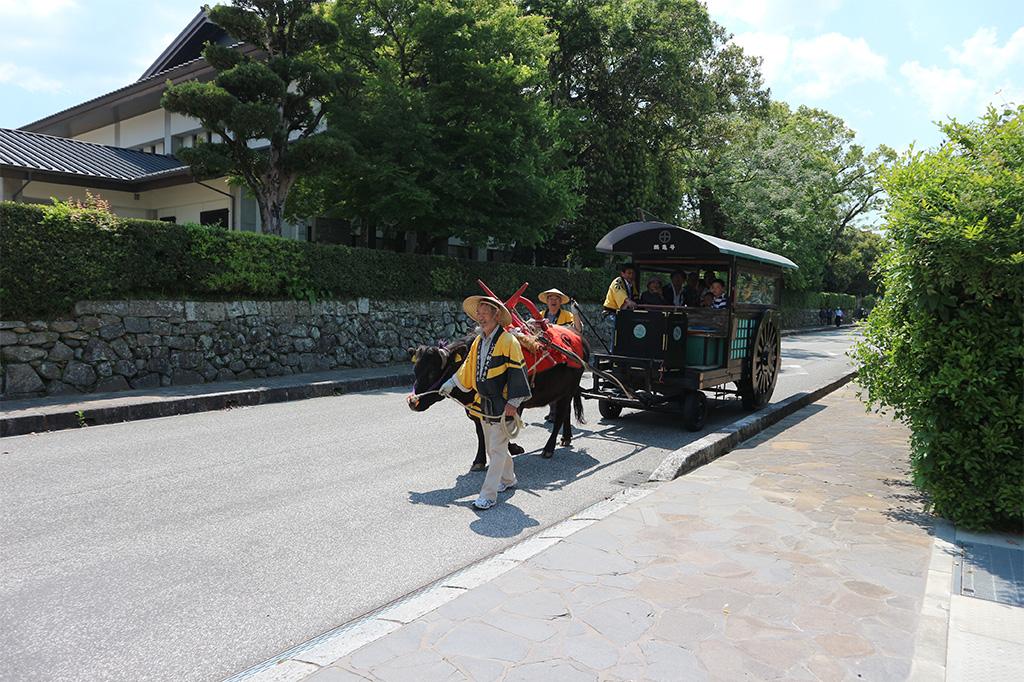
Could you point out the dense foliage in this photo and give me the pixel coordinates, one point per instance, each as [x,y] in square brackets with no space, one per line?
[53,256]
[795,183]
[450,132]
[944,349]
[264,109]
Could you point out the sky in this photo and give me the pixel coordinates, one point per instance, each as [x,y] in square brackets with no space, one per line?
[889,68]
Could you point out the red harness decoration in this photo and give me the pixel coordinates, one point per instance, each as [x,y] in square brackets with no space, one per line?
[546,355]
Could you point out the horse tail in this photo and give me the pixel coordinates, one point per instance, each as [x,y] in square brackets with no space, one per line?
[577,404]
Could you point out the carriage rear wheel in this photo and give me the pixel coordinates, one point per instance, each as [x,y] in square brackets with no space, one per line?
[609,410]
[762,369]
[695,410]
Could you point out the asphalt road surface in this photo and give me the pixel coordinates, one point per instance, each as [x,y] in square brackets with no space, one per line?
[193,547]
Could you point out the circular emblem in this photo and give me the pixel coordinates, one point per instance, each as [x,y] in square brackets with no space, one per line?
[639,331]
[664,236]
[677,333]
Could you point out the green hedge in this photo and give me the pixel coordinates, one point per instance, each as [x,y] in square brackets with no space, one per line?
[813,300]
[53,256]
[944,348]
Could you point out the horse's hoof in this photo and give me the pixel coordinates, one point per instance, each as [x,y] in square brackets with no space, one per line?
[547,454]
[565,442]
[477,466]
[514,449]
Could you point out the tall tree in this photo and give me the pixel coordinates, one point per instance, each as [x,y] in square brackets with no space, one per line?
[451,132]
[794,182]
[266,109]
[641,82]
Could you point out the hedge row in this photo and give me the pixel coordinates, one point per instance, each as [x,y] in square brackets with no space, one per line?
[812,300]
[53,256]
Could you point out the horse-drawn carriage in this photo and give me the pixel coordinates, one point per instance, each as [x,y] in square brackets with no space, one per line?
[664,357]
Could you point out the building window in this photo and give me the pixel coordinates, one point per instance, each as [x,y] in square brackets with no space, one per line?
[218,218]
[169,219]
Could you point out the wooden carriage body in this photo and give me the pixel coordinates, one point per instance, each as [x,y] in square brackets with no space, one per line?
[664,357]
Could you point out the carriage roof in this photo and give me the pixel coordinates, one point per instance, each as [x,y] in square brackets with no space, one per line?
[661,240]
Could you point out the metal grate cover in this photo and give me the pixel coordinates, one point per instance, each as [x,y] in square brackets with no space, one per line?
[992,573]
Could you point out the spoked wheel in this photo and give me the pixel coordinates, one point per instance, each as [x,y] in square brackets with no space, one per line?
[695,411]
[609,410]
[762,369]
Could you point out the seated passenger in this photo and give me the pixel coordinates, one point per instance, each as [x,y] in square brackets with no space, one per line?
[653,295]
[707,299]
[675,292]
[718,298]
[692,291]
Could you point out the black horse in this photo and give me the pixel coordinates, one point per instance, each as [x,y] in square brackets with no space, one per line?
[558,386]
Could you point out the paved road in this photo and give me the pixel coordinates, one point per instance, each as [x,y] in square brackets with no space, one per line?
[192,547]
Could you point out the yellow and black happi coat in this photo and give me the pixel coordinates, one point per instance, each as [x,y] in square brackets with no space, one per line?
[565,318]
[504,375]
[618,291]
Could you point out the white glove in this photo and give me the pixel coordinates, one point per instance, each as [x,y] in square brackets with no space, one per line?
[447,388]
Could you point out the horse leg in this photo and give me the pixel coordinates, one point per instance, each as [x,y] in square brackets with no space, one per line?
[549,447]
[480,462]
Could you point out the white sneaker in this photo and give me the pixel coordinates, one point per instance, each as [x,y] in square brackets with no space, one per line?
[482,503]
[502,487]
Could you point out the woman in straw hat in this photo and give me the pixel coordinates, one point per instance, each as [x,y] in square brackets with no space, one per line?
[555,313]
[494,369]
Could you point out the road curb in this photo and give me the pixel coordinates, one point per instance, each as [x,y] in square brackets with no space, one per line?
[714,445]
[260,395]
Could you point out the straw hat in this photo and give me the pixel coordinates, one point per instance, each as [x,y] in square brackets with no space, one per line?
[543,298]
[470,305]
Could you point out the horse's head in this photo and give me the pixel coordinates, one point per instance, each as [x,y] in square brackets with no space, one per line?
[432,366]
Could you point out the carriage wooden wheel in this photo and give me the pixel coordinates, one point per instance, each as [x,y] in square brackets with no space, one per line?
[757,386]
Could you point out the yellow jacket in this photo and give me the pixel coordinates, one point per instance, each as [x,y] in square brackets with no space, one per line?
[565,318]
[504,379]
[618,291]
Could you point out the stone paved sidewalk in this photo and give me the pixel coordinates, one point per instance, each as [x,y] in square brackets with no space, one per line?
[804,554]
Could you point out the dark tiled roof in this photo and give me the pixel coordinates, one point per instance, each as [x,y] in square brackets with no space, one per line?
[36,152]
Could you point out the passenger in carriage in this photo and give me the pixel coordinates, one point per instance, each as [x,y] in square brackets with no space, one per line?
[675,292]
[692,292]
[653,295]
[719,300]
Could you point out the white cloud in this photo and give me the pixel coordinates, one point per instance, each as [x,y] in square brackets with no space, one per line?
[773,48]
[772,14]
[942,90]
[34,9]
[828,63]
[28,79]
[981,52]
[982,72]
[816,68]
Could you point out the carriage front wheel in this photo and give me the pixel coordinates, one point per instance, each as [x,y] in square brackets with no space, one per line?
[695,410]
[762,368]
[608,409]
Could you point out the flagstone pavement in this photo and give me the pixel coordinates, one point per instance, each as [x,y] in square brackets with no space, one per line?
[804,554]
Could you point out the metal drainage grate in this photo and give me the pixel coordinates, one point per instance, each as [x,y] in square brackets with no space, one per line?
[992,573]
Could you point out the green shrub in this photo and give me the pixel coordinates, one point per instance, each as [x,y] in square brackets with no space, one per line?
[943,348]
[53,256]
[813,300]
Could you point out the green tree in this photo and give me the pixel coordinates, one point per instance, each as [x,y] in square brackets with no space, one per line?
[852,270]
[944,349]
[642,84]
[451,131]
[266,109]
[793,182]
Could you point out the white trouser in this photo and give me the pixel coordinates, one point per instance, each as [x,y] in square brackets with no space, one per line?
[499,462]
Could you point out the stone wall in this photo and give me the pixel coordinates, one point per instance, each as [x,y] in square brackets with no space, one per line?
[121,345]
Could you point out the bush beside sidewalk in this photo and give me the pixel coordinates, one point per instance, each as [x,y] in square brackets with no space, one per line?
[804,554]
